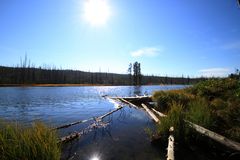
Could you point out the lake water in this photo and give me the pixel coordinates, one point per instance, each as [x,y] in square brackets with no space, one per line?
[124,138]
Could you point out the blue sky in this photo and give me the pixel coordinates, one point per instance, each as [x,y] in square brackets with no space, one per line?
[167,37]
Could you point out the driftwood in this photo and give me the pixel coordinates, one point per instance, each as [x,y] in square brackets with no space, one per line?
[217,137]
[97,124]
[170,149]
[131,104]
[73,123]
[133,98]
[159,113]
[83,121]
[114,101]
[103,116]
[151,114]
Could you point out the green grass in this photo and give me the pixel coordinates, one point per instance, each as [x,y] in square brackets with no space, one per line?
[37,142]
[213,104]
[166,99]
[199,112]
[175,118]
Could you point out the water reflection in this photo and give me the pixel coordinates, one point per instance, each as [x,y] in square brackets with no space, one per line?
[137,90]
[62,105]
[95,157]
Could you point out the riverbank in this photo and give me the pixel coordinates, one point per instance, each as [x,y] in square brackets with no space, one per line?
[34,142]
[213,104]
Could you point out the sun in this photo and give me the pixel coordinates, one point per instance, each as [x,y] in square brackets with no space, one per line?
[96,12]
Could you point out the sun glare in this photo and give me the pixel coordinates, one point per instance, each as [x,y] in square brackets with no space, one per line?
[96,12]
[95,158]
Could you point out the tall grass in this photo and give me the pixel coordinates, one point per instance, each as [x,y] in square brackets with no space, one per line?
[175,118]
[213,104]
[166,99]
[199,112]
[37,142]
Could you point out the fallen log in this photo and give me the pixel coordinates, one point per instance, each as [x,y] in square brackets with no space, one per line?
[83,121]
[170,149]
[217,137]
[151,114]
[114,101]
[103,116]
[73,123]
[131,104]
[134,98]
[159,113]
[97,124]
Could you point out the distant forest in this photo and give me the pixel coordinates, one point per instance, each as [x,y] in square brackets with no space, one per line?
[27,74]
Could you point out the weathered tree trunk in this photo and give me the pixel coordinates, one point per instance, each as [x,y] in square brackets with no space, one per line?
[131,104]
[217,137]
[159,113]
[170,149]
[73,123]
[153,116]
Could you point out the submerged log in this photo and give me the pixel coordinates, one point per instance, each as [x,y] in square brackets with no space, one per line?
[217,137]
[83,121]
[97,124]
[103,116]
[170,149]
[151,114]
[73,123]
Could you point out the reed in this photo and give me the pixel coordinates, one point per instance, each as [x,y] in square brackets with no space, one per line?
[28,143]
[174,119]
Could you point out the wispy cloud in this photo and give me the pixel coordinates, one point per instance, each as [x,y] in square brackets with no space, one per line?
[214,72]
[147,51]
[232,46]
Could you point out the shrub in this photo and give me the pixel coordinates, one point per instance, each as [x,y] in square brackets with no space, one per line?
[28,143]
[218,104]
[215,88]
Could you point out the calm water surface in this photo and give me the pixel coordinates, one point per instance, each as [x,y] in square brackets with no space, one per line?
[124,138]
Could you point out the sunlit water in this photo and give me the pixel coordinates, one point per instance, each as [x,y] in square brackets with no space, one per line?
[124,138]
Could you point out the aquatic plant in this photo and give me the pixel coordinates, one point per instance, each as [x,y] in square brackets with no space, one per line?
[28,143]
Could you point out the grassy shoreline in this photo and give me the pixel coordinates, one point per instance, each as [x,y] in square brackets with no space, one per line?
[33,142]
[213,104]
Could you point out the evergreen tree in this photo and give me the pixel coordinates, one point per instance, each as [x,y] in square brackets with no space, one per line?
[130,73]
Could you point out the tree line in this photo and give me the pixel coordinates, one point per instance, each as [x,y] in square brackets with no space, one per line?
[29,74]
